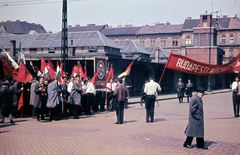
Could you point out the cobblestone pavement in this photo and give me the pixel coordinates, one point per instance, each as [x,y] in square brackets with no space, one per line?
[97,134]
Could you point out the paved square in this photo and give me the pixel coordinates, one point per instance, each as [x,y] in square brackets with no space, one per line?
[97,134]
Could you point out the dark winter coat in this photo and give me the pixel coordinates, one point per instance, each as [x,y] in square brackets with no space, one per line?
[75,95]
[195,127]
[180,89]
[6,100]
[53,97]
[189,89]
[37,99]
[16,94]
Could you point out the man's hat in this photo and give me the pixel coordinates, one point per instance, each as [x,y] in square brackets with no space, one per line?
[180,79]
[200,89]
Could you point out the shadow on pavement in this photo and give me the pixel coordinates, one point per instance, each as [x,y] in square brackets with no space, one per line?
[3,131]
[129,121]
[225,118]
[207,143]
[6,124]
[159,119]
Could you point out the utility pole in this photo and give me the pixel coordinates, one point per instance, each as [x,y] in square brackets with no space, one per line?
[209,77]
[64,43]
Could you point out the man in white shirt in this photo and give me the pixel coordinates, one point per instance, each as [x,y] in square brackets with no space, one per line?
[236,97]
[112,85]
[90,91]
[151,90]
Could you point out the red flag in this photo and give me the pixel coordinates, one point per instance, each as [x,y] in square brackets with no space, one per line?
[20,103]
[85,71]
[94,77]
[74,71]
[43,65]
[110,74]
[7,69]
[22,74]
[51,65]
[80,71]
[52,73]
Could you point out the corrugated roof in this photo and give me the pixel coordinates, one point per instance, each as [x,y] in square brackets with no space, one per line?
[160,29]
[87,28]
[19,27]
[52,40]
[121,31]
[130,47]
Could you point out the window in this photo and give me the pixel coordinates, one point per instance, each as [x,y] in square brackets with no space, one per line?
[231,38]
[223,39]
[203,40]
[195,39]
[173,43]
[142,43]
[152,43]
[230,52]
[163,42]
[188,40]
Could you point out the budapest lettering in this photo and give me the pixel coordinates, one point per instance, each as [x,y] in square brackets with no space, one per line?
[187,65]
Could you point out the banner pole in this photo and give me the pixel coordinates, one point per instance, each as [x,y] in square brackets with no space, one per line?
[165,67]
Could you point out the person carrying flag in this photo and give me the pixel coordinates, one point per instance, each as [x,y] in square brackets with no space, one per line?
[39,88]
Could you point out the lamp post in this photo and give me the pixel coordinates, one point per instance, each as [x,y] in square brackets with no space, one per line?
[209,77]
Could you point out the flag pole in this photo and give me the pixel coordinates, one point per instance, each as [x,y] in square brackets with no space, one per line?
[165,67]
[106,89]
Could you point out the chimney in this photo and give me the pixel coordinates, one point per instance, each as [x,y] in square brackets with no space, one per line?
[130,25]
[160,24]
[235,16]
[167,23]
[77,25]
[41,29]
[69,26]
[90,24]
[13,48]
[119,25]
[189,17]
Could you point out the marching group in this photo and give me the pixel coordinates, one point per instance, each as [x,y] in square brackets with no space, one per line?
[75,97]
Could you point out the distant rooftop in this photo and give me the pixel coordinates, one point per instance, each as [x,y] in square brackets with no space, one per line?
[52,40]
[20,27]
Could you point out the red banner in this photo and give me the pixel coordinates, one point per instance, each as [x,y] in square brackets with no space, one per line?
[186,65]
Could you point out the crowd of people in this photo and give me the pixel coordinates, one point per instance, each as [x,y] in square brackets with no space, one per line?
[73,97]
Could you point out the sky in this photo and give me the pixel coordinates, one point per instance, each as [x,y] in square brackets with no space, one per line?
[48,13]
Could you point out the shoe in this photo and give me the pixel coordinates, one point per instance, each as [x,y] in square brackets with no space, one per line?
[147,121]
[151,121]
[38,119]
[11,121]
[187,146]
[2,122]
[116,123]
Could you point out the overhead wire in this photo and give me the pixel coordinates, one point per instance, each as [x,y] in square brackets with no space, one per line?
[30,2]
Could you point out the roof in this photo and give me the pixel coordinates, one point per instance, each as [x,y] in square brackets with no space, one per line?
[129,47]
[162,53]
[19,27]
[90,27]
[53,40]
[160,29]
[217,23]
[121,31]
